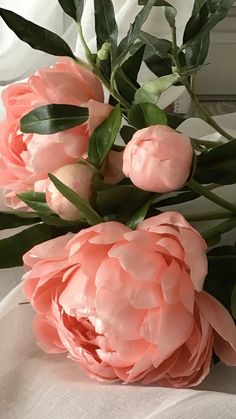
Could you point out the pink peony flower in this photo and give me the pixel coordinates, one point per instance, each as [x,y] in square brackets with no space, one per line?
[158,159]
[128,305]
[79,178]
[26,159]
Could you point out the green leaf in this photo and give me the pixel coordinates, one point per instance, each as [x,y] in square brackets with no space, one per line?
[13,248]
[11,219]
[126,76]
[36,201]
[120,201]
[133,32]
[217,10]
[157,3]
[127,133]
[36,36]
[170,14]
[174,120]
[152,89]
[233,302]
[49,119]
[221,278]
[218,165]
[140,214]
[197,50]
[91,216]
[54,220]
[105,25]
[73,8]
[146,114]
[104,137]
[156,55]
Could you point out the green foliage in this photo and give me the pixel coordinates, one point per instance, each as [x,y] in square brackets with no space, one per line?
[36,201]
[49,119]
[13,248]
[104,137]
[221,278]
[146,114]
[73,8]
[88,212]
[13,219]
[36,36]
[218,165]
[126,76]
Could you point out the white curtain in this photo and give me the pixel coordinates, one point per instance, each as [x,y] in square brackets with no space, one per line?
[18,60]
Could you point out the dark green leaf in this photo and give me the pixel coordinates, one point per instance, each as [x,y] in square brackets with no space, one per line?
[146,114]
[217,10]
[218,165]
[156,54]
[10,219]
[36,201]
[54,220]
[105,25]
[172,199]
[141,213]
[36,36]
[196,51]
[104,137]
[174,120]
[49,119]
[133,32]
[121,201]
[221,277]
[157,3]
[127,133]
[126,76]
[91,216]
[13,248]
[73,8]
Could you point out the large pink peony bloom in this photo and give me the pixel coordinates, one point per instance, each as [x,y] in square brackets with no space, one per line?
[26,159]
[158,159]
[128,305]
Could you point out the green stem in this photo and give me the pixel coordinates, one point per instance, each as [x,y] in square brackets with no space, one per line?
[217,231]
[207,216]
[206,143]
[201,190]
[88,53]
[202,111]
[95,68]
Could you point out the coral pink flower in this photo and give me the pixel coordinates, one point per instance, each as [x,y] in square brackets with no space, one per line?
[158,159]
[26,159]
[128,305]
[79,178]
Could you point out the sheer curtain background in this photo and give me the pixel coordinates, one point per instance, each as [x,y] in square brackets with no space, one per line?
[34,385]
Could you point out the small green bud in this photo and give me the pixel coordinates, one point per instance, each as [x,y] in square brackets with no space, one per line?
[104,52]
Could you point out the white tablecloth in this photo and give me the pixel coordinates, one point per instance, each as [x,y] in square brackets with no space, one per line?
[34,385]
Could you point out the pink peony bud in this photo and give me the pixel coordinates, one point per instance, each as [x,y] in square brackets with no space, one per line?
[158,159]
[77,177]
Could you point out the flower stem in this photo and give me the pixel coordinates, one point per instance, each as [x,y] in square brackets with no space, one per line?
[220,229]
[190,89]
[201,190]
[94,66]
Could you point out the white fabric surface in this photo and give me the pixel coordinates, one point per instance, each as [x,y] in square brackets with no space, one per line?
[18,60]
[34,385]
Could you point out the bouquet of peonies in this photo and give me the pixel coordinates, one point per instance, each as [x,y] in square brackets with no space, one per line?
[127,289]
